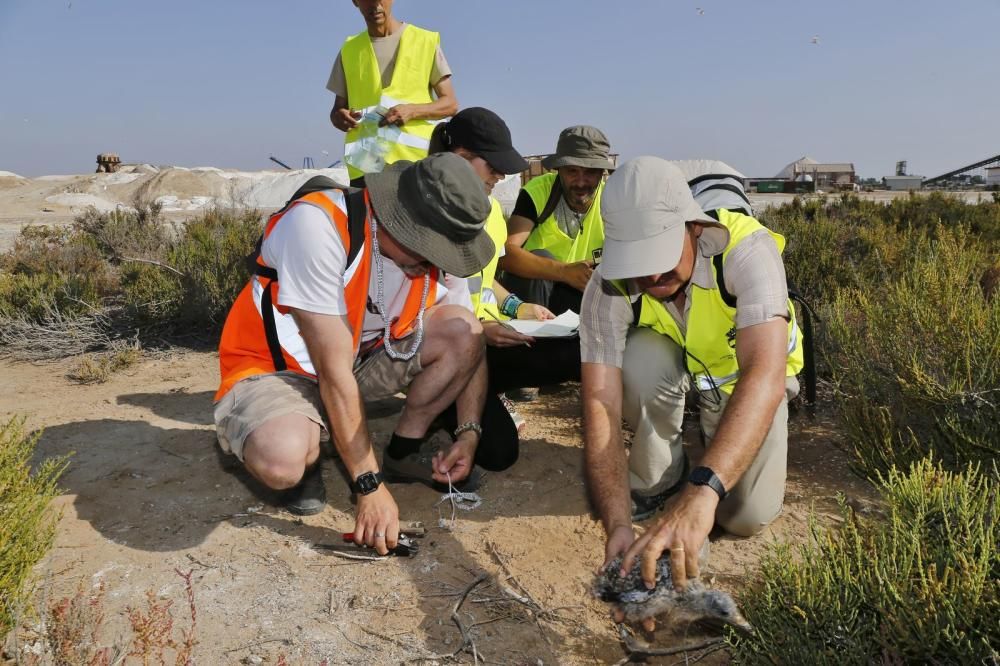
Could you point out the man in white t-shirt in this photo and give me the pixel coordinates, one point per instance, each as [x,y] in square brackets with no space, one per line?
[353,300]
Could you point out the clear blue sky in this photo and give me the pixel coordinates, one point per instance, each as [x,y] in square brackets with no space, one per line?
[229,82]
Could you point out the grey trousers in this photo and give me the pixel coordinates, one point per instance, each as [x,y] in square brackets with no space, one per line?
[656,383]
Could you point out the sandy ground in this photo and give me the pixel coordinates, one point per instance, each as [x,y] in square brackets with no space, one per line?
[148,492]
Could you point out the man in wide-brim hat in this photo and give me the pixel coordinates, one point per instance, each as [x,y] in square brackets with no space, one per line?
[555,234]
[352,301]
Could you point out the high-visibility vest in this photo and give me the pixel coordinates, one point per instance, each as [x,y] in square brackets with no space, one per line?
[261,337]
[710,343]
[484,300]
[548,236]
[410,84]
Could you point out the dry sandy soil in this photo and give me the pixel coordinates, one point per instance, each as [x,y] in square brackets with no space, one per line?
[148,492]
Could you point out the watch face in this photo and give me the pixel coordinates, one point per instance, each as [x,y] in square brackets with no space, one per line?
[367,483]
[700,475]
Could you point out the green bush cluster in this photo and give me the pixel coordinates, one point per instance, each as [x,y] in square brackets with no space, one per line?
[141,275]
[916,360]
[27,525]
[918,585]
[911,322]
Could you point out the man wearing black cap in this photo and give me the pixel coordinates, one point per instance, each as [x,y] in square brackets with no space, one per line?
[556,234]
[350,302]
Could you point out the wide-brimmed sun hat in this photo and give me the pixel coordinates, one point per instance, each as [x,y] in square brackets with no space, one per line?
[436,208]
[645,205]
[485,134]
[582,146]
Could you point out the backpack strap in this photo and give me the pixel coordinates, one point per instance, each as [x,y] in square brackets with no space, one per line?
[357,213]
[552,202]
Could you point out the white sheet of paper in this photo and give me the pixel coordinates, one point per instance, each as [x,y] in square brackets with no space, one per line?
[563,326]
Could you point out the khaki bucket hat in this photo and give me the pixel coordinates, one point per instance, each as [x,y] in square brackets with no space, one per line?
[437,208]
[582,146]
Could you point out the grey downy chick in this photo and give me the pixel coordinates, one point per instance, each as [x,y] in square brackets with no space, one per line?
[697,603]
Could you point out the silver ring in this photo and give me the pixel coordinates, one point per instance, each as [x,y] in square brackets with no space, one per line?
[379,535]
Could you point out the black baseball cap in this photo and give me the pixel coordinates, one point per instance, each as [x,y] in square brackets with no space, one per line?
[486,134]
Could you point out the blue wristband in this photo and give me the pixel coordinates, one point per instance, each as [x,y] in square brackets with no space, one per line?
[510,305]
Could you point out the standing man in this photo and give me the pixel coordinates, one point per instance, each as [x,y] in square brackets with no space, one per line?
[683,298]
[349,303]
[555,232]
[399,66]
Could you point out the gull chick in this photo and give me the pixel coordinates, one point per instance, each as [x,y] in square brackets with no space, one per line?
[697,603]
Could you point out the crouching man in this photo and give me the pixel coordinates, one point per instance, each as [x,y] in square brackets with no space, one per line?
[350,303]
[683,300]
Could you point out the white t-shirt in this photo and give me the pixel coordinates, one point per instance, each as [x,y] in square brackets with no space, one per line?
[309,256]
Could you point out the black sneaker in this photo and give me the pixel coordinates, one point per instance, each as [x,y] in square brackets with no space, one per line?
[309,496]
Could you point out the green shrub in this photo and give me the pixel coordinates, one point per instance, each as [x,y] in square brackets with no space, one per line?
[27,525]
[916,361]
[123,274]
[211,254]
[921,585]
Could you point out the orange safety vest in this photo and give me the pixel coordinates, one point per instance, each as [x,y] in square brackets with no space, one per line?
[261,337]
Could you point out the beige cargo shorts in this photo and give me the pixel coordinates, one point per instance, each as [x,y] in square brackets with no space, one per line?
[255,400]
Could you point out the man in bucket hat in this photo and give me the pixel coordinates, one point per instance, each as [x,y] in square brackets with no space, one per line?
[555,232]
[684,300]
[350,302]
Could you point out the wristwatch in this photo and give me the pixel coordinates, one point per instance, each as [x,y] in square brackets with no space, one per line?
[704,476]
[367,483]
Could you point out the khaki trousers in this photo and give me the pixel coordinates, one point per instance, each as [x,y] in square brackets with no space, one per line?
[656,383]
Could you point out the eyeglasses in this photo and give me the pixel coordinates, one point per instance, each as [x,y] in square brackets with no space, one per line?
[713,397]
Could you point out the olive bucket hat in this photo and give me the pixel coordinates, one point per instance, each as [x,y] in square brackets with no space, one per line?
[436,208]
[582,146]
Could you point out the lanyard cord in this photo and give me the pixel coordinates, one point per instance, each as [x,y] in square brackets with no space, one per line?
[380,305]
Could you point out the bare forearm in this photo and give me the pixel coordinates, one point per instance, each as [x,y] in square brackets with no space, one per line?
[744,424]
[469,403]
[345,411]
[439,108]
[519,261]
[604,453]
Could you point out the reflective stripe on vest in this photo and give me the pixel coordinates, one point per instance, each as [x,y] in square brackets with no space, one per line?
[410,84]
[484,300]
[548,236]
[710,343]
[243,348]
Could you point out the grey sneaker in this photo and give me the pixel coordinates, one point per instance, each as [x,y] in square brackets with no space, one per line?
[309,496]
[416,468]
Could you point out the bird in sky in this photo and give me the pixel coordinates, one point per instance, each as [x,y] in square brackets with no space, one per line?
[815,39]
[701,12]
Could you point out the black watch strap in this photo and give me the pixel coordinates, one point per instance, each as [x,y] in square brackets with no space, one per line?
[704,476]
[366,483]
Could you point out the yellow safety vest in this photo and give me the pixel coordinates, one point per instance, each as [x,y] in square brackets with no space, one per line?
[484,300]
[711,330]
[410,85]
[548,236]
